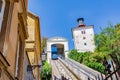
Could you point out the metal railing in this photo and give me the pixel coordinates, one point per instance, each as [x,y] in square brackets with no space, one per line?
[82,71]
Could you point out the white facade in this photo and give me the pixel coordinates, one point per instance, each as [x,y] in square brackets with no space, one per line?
[84,38]
[56,40]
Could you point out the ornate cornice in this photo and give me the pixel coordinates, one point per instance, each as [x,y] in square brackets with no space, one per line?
[24,6]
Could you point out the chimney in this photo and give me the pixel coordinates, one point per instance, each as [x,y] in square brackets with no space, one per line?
[81,22]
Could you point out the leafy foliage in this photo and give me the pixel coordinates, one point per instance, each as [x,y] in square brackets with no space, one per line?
[108,42]
[46,70]
[89,59]
[96,66]
[43,43]
[78,56]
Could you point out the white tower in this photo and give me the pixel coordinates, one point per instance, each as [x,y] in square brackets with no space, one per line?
[83,37]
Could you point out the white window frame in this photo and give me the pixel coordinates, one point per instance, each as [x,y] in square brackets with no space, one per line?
[2,14]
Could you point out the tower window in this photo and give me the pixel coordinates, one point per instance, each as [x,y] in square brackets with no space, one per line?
[83,32]
[84,37]
[1,5]
[85,44]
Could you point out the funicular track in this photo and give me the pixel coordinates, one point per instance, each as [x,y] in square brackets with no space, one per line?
[82,72]
[64,71]
[71,70]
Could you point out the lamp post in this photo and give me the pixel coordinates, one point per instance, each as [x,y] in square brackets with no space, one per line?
[44,56]
[31,67]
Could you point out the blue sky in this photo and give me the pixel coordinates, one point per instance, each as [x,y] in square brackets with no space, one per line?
[57,17]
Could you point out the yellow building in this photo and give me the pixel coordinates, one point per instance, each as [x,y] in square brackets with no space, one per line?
[33,43]
[13,32]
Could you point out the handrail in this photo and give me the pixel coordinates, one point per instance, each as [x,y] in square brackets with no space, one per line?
[75,67]
[87,69]
[83,69]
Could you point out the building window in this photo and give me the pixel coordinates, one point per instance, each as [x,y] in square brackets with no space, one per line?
[83,32]
[85,44]
[84,37]
[1,2]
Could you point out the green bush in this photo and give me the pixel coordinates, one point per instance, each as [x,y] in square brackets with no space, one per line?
[96,66]
[46,71]
[92,60]
[78,56]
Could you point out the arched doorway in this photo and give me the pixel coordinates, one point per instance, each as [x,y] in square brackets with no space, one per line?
[57,46]
[57,50]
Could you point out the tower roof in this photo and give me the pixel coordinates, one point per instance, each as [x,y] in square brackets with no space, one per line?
[80,19]
[81,22]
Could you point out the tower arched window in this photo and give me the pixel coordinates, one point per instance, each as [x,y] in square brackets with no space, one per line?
[2,8]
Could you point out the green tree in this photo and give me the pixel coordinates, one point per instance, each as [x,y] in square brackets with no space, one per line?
[108,43]
[89,59]
[43,43]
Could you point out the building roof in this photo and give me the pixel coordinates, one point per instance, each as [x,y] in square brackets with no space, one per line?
[31,14]
[86,27]
[57,38]
[80,28]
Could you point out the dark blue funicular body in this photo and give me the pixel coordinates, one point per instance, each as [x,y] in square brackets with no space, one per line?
[54,52]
